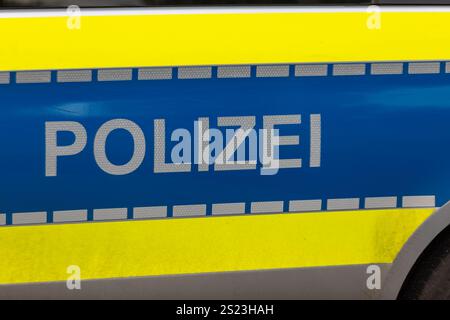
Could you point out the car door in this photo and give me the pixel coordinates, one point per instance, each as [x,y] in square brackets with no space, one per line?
[253,151]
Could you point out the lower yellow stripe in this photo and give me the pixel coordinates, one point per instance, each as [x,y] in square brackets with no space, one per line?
[210,244]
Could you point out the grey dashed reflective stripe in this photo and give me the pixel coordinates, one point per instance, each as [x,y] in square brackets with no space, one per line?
[149,212]
[228,208]
[115,74]
[110,214]
[424,67]
[33,77]
[70,216]
[155,73]
[273,71]
[386,68]
[380,202]
[29,217]
[305,205]
[194,72]
[236,208]
[418,201]
[4,77]
[234,72]
[267,207]
[311,70]
[189,210]
[343,204]
[74,76]
[227,71]
[351,69]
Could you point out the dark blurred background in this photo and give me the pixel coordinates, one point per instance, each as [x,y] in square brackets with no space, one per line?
[5,4]
[156,3]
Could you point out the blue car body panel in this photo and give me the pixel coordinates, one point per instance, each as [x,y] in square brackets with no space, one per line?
[381,136]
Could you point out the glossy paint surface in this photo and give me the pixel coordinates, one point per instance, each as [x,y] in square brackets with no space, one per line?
[381,136]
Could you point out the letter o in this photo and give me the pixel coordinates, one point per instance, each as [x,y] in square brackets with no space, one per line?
[100,146]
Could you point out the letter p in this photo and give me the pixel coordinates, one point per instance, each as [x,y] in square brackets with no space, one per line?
[53,151]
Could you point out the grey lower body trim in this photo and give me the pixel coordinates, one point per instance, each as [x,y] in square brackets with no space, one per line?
[339,282]
[412,249]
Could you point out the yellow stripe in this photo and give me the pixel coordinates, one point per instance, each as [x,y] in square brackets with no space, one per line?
[210,244]
[194,39]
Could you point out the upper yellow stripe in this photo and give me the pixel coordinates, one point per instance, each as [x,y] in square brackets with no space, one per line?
[221,38]
[210,244]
